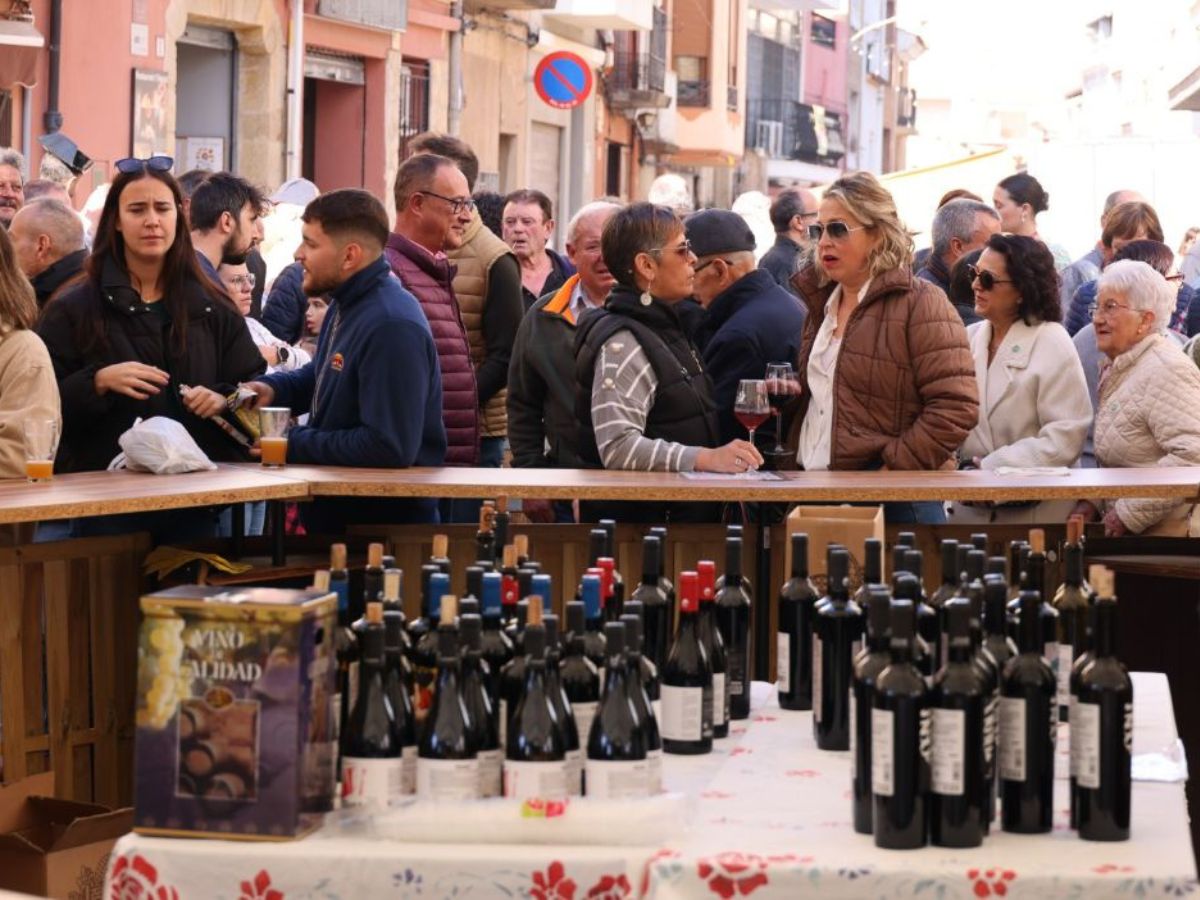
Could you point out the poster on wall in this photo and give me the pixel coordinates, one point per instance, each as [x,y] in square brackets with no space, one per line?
[207,153]
[149,113]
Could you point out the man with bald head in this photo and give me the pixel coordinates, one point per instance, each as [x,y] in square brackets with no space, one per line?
[792,211]
[48,239]
[1087,267]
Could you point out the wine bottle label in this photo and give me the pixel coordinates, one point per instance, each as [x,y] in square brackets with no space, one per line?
[408,770]
[817,705]
[949,751]
[783,668]
[617,779]
[720,700]
[1012,738]
[735,672]
[1066,659]
[575,772]
[371,783]
[503,722]
[491,773]
[423,678]
[1085,744]
[532,780]
[682,714]
[448,779]
[656,708]
[584,713]
[883,760]
[1072,754]
[654,765]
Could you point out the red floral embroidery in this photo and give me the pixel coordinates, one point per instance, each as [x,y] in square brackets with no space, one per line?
[260,888]
[733,873]
[740,751]
[610,887]
[136,878]
[990,881]
[661,854]
[553,884]
[765,718]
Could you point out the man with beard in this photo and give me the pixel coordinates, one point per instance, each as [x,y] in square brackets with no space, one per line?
[373,392]
[12,184]
[223,217]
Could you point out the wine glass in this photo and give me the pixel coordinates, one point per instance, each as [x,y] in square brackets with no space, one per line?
[782,383]
[751,406]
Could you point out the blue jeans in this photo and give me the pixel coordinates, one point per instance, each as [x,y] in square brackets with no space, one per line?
[920,512]
[463,510]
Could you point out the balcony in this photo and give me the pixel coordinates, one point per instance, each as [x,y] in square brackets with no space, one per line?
[639,74]
[615,15]
[693,94]
[473,7]
[796,5]
[388,14]
[787,129]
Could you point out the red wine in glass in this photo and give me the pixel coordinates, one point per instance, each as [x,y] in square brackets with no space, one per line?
[750,421]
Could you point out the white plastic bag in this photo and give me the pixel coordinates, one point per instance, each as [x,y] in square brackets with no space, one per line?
[162,446]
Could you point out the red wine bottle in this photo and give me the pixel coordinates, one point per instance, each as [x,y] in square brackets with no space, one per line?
[905,541]
[639,696]
[440,556]
[905,586]
[510,587]
[616,766]
[951,576]
[608,588]
[900,717]
[373,575]
[989,670]
[1035,572]
[485,538]
[484,725]
[617,599]
[372,766]
[836,636]
[535,760]
[1071,602]
[872,660]
[793,642]
[736,531]
[959,780]
[397,683]
[1096,576]
[562,705]
[447,763]
[928,626]
[500,523]
[872,570]
[1017,579]
[664,580]
[647,670]
[521,542]
[495,645]
[593,622]
[425,650]
[687,680]
[1028,726]
[1102,731]
[345,648]
[733,619]
[657,612]
[580,677]
[714,647]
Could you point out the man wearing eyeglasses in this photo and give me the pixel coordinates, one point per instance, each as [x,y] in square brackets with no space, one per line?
[792,212]
[223,216]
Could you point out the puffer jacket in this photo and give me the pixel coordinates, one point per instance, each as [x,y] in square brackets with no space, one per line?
[905,393]
[1149,415]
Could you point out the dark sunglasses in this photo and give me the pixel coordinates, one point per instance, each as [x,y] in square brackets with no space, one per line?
[986,279]
[837,230]
[131,165]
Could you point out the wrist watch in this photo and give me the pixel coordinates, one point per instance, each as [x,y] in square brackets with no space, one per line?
[283,353]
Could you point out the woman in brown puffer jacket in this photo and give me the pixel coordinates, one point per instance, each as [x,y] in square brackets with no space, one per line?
[885,368]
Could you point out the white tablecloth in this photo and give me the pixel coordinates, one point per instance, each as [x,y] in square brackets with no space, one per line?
[769,817]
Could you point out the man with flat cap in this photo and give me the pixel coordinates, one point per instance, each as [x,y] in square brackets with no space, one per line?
[750,321]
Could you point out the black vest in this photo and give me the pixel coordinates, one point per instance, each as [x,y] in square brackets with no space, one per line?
[683,410]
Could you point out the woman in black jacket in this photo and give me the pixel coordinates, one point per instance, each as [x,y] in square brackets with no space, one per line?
[146,333]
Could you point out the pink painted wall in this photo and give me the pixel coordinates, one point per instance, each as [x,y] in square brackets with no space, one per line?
[825,69]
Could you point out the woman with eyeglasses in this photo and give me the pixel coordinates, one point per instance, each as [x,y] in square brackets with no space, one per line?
[146,333]
[1019,199]
[1033,402]
[643,398]
[887,376]
[1149,404]
[279,355]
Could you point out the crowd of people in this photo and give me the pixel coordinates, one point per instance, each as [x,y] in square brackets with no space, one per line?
[454,334]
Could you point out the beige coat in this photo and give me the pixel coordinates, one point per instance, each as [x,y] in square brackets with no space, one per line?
[28,390]
[1149,415]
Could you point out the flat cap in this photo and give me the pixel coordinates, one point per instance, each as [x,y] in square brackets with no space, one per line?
[713,231]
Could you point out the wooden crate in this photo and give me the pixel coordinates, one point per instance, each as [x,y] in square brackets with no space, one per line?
[68,663]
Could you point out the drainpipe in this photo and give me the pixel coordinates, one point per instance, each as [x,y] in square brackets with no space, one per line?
[454,111]
[295,91]
[52,119]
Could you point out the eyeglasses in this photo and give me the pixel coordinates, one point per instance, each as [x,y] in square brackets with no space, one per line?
[131,165]
[704,265]
[986,279]
[1106,309]
[683,249]
[838,231]
[246,281]
[808,215]
[1174,276]
[457,204]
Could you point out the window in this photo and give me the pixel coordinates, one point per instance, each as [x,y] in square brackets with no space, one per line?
[693,80]
[824,31]
[414,100]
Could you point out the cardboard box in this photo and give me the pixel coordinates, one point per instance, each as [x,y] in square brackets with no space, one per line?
[55,848]
[849,526]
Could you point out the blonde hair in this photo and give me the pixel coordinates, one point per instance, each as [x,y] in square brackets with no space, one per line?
[873,205]
[18,304]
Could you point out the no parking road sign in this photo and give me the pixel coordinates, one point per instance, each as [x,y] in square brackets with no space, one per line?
[563,80]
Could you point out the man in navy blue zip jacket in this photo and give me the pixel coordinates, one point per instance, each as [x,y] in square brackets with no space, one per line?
[374,390]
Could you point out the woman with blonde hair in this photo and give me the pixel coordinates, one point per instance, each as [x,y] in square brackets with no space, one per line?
[887,375]
[28,389]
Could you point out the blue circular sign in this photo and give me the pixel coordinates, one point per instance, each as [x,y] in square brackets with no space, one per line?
[563,80]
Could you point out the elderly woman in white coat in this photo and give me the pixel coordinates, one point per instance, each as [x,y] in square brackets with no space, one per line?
[1034,408]
[1149,406]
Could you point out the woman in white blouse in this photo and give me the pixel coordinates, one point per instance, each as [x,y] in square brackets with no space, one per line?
[280,355]
[1034,408]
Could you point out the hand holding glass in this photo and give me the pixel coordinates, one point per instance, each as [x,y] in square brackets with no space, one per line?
[751,406]
[273,424]
[41,443]
[782,384]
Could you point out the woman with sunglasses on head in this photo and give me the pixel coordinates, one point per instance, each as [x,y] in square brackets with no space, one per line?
[279,355]
[145,333]
[1019,198]
[885,368]
[1033,401]
[643,399]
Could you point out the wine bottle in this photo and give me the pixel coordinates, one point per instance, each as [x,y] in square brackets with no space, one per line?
[664,579]
[597,541]
[836,634]
[989,670]
[1016,568]
[485,537]
[872,570]
[397,685]
[905,586]
[657,613]
[580,677]
[510,587]
[951,575]
[609,527]
[512,676]
[593,635]
[389,561]
[1102,731]
[979,541]
[373,575]
[959,781]
[440,556]
[372,766]
[422,623]
[639,696]
[733,619]
[535,759]
[687,680]
[500,523]
[646,668]
[874,658]
[474,579]
[425,655]
[1035,571]
[608,588]
[345,650]
[1028,723]
[1071,602]
[714,646]
[900,719]
[794,641]
[447,762]
[521,542]
[995,622]
[562,705]
[616,766]
[928,626]
[482,718]
[905,541]
[1096,575]
[996,565]
[495,645]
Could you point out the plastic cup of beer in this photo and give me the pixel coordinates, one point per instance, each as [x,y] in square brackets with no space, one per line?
[273,425]
[41,443]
